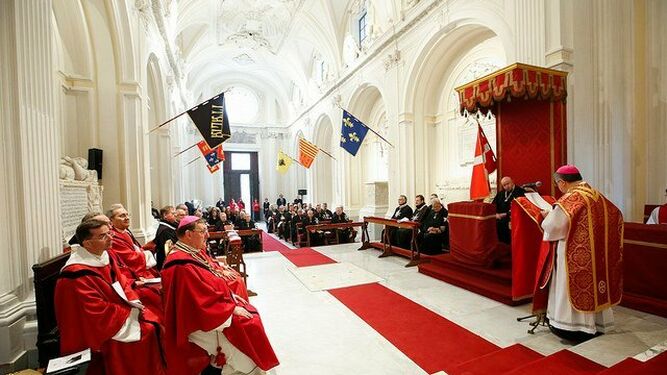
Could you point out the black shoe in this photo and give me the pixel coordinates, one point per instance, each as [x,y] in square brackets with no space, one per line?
[573,336]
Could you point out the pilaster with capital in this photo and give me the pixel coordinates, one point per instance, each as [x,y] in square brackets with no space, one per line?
[29,160]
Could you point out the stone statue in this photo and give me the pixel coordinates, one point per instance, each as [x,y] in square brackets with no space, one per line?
[350,50]
[76,169]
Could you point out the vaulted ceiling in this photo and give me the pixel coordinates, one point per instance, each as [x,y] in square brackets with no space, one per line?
[266,45]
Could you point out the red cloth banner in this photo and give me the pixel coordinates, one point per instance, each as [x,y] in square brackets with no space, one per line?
[517,80]
[526,242]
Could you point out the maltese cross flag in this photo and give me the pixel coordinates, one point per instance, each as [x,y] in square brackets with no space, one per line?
[484,164]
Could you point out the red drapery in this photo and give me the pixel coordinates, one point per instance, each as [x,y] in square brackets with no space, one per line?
[529,105]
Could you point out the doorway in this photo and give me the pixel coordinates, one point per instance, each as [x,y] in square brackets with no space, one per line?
[241,177]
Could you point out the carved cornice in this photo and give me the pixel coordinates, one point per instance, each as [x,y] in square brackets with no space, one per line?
[383,43]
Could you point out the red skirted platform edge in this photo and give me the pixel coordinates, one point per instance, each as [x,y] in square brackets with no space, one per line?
[494,283]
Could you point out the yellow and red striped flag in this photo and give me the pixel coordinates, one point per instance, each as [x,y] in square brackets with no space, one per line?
[307,152]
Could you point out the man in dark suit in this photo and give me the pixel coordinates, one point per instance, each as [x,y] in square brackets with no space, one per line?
[281,201]
[503,202]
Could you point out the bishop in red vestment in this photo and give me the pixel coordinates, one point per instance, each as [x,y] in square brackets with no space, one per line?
[96,308]
[582,271]
[205,323]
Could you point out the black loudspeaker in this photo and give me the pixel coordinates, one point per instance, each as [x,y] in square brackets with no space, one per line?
[302,192]
[95,161]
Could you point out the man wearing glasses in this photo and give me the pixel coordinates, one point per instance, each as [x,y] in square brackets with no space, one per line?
[207,326]
[97,308]
[581,277]
[135,263]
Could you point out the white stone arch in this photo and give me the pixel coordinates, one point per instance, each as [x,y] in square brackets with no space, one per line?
[323,167]
[75,64]
[160,140]
[439,129]
[368,105]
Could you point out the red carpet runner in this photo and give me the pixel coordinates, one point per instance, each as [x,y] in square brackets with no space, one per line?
[302,257]
[431,341]
[269,243]
[305,257]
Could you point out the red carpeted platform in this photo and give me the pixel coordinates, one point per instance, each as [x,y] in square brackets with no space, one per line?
[305,257]
[654,366]
[497,362]
[494,283]
[622,367]
[431,341]
[563,362]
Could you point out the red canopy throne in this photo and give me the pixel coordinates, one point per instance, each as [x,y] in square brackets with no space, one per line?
[529,105]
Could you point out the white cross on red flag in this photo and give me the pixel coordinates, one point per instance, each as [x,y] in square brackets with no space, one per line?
[484,164]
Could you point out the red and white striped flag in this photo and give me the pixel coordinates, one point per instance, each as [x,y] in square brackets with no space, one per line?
[484,164]
[307,152]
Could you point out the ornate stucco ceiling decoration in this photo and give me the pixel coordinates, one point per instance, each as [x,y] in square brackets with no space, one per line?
[243,59]
[255,24]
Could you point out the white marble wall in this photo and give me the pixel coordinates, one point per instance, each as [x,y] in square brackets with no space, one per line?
[29,166]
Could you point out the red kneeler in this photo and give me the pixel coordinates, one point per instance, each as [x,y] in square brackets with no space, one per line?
[473,237]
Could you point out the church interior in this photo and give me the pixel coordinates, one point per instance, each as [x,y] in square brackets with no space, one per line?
[362,106]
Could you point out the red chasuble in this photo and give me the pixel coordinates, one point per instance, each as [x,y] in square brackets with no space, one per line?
[89,313]
[594,253]
[195,299]
[132,264]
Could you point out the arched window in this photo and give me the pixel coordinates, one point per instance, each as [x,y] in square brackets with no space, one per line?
[242,105]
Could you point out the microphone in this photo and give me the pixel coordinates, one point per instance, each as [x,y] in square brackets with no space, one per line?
[532,185]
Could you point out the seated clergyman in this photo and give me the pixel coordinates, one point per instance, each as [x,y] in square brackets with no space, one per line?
[97,308]
[206,324]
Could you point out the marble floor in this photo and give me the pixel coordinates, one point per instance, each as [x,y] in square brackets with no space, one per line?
[314,333]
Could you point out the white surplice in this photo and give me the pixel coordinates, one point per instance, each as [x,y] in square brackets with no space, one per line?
[560,312]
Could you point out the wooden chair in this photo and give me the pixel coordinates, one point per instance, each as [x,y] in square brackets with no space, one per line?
[45,278]
[234,254]
[301,236]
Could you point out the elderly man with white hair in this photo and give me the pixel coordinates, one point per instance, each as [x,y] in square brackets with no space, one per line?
[434,230]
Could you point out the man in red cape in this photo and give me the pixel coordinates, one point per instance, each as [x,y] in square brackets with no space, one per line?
[206,324]
[136,264]
[96,308]
[582,270]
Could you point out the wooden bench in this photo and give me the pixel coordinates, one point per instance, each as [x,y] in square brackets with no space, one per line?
[252,232]
[334,239]
[45,278]
[644,259]
[387,248]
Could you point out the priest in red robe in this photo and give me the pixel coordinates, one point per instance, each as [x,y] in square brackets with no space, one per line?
[96,308]
[582,270]
[136,264]
[207,325]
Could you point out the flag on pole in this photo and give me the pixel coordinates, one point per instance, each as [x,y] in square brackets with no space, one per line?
[352,133]
[307,152]
[211,119]
[284,161]
[214,168]
[484,164]
[213,156]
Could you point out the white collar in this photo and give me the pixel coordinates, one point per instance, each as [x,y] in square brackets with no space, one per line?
[79,255]
[167,224]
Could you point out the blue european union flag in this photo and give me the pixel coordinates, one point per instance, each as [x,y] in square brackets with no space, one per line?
[352,133]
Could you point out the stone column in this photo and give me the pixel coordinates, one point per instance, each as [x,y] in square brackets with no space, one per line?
[529,30]
[29,166]
[135,161]
[375,204]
